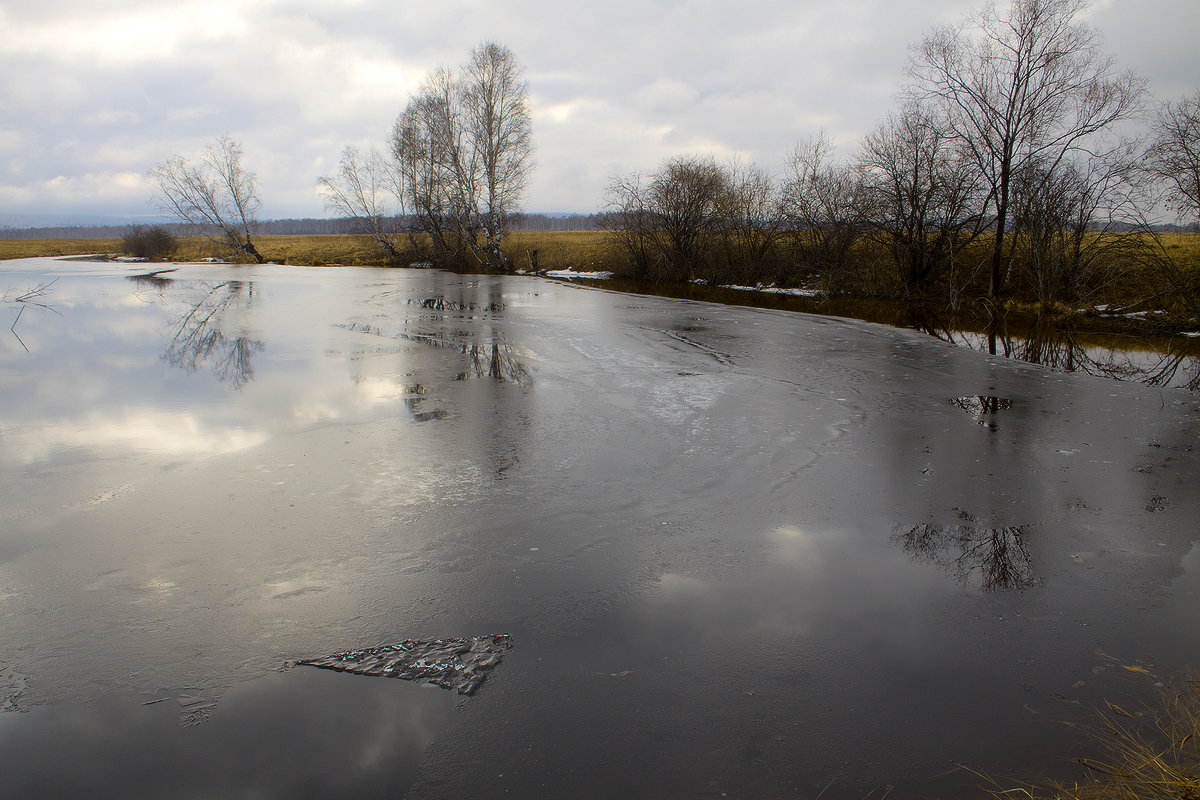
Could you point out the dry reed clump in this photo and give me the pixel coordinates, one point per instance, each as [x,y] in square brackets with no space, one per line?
[1151,754]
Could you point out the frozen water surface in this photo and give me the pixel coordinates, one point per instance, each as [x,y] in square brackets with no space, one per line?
[739,551]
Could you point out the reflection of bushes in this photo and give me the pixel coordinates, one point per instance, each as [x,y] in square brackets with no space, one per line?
[152,243]
[1148,754]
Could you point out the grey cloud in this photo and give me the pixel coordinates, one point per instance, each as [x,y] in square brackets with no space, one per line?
[617,86]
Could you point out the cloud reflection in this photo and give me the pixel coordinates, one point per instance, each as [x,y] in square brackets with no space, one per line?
[812,583]
[138,430]
[298,734]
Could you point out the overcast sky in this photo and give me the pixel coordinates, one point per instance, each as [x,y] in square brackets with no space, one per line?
[93,93]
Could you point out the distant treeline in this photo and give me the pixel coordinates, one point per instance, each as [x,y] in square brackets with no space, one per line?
[292,227]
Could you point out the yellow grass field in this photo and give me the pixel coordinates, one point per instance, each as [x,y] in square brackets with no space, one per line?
[583,251]
[34,248]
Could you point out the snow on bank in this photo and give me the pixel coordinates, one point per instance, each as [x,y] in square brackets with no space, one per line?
[794,292]
[769,289]
[566,273]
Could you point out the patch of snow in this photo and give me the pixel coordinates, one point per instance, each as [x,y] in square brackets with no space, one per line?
[794,292]
[566,273]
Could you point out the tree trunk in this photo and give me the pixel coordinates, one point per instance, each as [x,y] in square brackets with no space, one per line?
[251,250]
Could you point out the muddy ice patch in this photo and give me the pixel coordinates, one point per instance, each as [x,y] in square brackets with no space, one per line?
[461,665]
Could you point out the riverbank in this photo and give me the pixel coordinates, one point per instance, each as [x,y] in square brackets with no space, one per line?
[579,256]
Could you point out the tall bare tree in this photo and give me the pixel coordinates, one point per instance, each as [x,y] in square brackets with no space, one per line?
[752,224]
[1173,159]
[464,149]
[427,144]
[495,101]
[1020,85]
[215,195]
[364,189]
[919,197]
[1080,225]
[1174,154]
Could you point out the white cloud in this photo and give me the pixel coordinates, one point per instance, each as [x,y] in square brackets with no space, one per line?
[96,89]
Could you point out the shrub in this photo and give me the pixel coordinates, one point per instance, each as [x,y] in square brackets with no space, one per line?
[151,243]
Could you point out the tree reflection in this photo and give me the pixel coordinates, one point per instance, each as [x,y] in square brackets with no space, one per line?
[497,361]
[983,407]
[412,404]
[30,298]
[154,280]
[998,558]
[1062,351]
[199,337]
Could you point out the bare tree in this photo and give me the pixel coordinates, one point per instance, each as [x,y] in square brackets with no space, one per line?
[752,223]
[631,224]
[1025,85]
[1174,155]
[686,196]
[495,100]
[216,195]
[668,222]
[464,150]
[362,190]
[1081,224]
[427,144]
[918,196]
[821,202]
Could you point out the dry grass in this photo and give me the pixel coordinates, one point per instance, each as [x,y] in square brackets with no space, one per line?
[1152,753]
[44,248]
[309,250]
[583,251]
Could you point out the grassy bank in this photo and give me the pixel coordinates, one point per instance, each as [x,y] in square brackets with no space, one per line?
[1141,289]
[1139,752]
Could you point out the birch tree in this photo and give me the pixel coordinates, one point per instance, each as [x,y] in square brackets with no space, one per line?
[1020,85]
[215,195]
[427,144]
[464,149]
[495,100]
[363,189]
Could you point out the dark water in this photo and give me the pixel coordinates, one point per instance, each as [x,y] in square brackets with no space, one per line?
[1054,343]
[740,552]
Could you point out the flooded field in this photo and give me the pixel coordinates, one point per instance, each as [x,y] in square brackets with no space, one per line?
[641,546]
